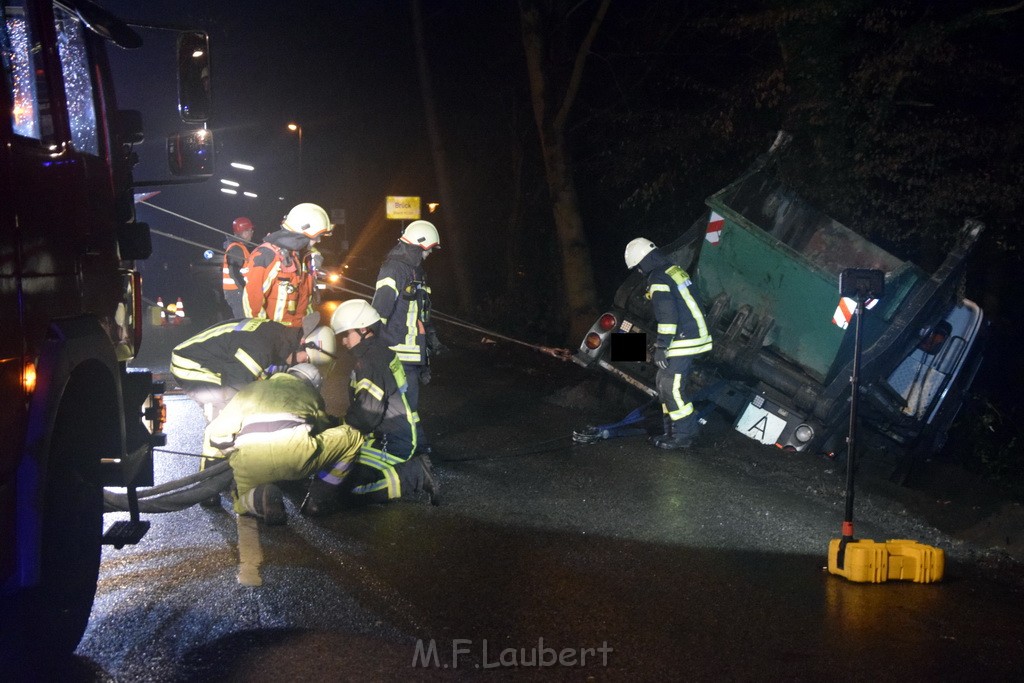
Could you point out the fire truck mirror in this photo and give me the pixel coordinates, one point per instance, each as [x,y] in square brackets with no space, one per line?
[191,153]
[194,93]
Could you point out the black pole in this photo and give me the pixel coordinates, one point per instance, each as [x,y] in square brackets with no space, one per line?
[851,446]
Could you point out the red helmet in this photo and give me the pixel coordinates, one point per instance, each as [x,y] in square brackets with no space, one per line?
[240,225]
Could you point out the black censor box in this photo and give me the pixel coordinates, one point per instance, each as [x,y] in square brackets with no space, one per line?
[628,347]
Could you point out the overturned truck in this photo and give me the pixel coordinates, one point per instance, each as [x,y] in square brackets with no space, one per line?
[766,267]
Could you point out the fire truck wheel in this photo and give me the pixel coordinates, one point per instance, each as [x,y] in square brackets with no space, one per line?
[54,615]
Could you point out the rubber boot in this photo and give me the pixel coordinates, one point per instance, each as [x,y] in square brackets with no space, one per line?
[322,499]
[676,436]
[268,504]
[666,427]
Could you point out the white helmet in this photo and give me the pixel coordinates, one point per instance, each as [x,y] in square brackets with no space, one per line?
[307,219]
[423,234]
[636,250]
[308,372]
[320,345]
[354,314]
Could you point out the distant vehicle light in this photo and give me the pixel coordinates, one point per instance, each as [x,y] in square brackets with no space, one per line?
[592,341]
[606,322]
[804,433]
[334,277]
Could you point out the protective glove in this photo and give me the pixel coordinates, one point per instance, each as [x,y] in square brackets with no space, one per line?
[425,375]
[660,359]
[434,345]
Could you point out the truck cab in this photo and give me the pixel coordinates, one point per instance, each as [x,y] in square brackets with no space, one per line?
[73,418]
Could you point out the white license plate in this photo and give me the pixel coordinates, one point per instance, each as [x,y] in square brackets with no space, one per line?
[760,425]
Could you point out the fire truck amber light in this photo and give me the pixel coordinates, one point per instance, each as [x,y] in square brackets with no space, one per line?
[606,322]
[592,341]
[28,377]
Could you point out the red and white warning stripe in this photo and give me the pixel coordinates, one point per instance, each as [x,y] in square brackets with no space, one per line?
[715,225]
[845,309]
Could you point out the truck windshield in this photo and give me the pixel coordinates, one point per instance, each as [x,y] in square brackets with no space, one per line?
[27,80]
[78,86]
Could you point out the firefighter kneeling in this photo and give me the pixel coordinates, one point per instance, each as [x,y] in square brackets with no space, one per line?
[278,430]
[388,463]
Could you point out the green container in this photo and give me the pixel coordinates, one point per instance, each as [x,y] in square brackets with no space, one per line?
[783,258]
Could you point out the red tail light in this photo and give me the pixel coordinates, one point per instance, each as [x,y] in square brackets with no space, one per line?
[607,322]
[592,341]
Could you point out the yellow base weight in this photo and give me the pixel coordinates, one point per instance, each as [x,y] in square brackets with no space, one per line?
[895,560]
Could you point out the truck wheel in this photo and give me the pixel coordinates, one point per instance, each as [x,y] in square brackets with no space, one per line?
[53,615]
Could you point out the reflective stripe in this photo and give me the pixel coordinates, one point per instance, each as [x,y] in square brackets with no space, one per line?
[337,473]
[702,342]
[183,368]
[658,287]
[367,385]
[387,282]
[668,328]
[684,408]
[250,364]
[368,457]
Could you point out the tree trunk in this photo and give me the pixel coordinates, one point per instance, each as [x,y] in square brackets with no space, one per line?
[577,273]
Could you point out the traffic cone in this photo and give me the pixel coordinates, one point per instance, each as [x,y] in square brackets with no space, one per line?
[163,311]
[180,310]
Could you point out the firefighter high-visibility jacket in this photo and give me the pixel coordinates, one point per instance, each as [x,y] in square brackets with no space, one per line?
[682,330]
[279,430]
[377,401]
[279,284]
[234,353]
[233,266]
[402,298]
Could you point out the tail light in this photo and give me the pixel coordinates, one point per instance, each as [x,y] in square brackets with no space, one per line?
[606,322]
[592,341]
[934,340]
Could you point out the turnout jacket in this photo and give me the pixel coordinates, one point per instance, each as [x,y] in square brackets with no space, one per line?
[234,353]
[682,330]
[236,253]
[278,430]
[377,401]
[402,298]
[279,283]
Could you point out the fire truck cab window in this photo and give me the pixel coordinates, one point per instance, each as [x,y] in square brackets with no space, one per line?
[78,88]
[24,74]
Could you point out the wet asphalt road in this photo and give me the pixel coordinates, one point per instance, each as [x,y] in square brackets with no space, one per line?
[611,561]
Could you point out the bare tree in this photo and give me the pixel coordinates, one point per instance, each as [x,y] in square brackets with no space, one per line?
[552,102]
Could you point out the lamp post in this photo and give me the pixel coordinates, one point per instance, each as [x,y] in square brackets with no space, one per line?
[297,128]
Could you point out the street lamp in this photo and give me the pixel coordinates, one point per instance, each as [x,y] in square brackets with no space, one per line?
[296,128]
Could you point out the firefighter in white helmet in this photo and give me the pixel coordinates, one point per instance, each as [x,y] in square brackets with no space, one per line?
[682,334]
[389,464]
[280,280]
[402,298]
[279,430]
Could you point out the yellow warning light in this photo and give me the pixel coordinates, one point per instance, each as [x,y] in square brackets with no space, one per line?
[28,377]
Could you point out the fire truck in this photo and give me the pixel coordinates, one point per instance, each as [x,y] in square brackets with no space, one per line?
[73,417]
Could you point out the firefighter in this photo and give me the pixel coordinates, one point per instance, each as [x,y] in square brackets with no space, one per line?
[402,298]
[215,364]
[388,464]
[279,284]
[279,430]
[682,334]
[236,253]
